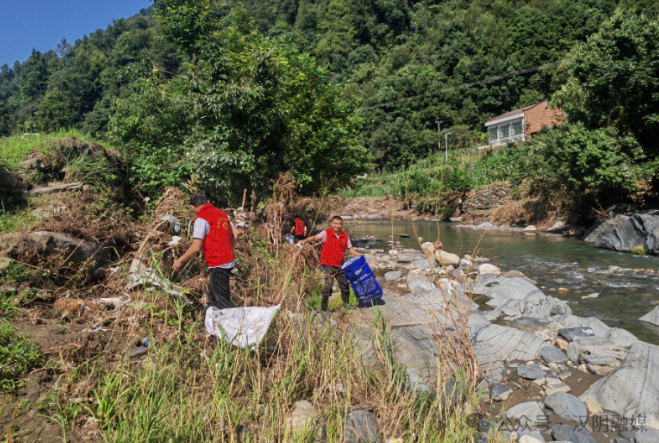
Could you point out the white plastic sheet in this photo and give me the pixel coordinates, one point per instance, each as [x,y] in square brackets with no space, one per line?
[244,327]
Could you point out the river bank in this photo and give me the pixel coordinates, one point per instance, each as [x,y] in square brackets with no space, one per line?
[552,375]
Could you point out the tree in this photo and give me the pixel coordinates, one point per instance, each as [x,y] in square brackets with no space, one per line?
[54,111]
[614,79]
[579,159]
[249,109]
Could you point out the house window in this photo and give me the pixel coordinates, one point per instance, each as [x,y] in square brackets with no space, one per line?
[504,130]
[493,134]
[516,128]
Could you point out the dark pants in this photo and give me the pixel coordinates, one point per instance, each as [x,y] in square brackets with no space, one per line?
[332,272]
[219,290]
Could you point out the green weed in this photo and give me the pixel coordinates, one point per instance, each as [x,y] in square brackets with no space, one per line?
[15,149]
[17,356]
[11,221]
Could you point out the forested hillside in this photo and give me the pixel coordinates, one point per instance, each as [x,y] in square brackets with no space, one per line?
[278,84]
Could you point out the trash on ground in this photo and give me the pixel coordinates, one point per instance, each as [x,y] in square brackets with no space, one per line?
[244,327]
[136,352]
[140,275]
[175,241]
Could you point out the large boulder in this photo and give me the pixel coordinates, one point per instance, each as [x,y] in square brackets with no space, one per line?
[501,343]
[52,243]
[601,228]
[633,389]
[640,230]
[517,297]
[416,351]
[447,259]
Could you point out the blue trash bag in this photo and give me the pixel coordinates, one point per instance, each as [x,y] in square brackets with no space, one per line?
[363,281]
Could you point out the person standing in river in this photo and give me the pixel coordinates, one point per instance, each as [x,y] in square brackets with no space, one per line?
[335,243]
[215,236]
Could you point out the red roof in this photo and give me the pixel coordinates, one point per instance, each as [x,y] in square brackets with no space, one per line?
[515,112]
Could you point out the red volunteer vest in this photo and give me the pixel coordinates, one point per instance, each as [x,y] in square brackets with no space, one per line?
[299,226]
[334,249]
[217,247]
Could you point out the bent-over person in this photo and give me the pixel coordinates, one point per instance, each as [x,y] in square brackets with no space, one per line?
[215,236]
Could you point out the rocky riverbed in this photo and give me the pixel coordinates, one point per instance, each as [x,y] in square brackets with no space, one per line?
[550,375]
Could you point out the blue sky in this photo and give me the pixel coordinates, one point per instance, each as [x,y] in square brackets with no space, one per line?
[41,24]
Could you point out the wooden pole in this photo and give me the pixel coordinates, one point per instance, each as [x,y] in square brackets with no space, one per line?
[244,196]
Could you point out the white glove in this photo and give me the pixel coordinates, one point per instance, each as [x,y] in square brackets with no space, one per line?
[299,245]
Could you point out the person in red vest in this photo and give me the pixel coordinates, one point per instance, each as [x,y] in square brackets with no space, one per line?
[215,236]
[298,229]
[335,242]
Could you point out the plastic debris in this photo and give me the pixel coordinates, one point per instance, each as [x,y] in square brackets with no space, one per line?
[141,276]
[175,241]
[174,224]
[244,327]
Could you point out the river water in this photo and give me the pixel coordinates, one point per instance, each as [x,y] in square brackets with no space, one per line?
[554,262]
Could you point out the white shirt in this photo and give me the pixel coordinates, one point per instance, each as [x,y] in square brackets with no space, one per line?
[201,230]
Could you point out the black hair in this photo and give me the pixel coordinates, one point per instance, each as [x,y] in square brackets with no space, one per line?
[198,199]
[336,217]
[296,216]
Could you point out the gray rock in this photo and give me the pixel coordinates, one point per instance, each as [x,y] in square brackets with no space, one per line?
[416,351]
[567,406]
[501,343]
[652,316]
[301,417]
[422,263]
[527,414]
[57,188]
[393,275]
[647,435]
[572,321]
[568,433]
[638,230]
[136,352]
[420,286]
[601,228]
[52,243]
[625,237]
[571,333]
[407,257]
[360,426]
[524,431]
[552,355]
[633,389]
[530,372]
[500,392]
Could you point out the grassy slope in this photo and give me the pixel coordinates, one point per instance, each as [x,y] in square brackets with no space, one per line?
[17,148]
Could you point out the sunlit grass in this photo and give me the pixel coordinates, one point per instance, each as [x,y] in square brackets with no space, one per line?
[17,148]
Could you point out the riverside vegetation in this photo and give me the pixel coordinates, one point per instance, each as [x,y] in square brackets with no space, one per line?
[71,326]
